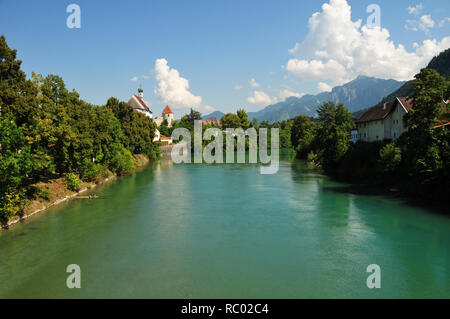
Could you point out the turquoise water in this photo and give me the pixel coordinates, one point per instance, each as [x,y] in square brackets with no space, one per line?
[226,231]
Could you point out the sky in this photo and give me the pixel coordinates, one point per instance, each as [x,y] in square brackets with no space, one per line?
[223,54]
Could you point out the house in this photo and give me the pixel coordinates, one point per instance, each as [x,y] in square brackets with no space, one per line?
[386,121]
[167,115]
[138,103]
[166,140]
[212,120]
[354,135]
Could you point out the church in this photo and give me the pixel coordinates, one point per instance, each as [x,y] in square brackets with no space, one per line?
[139,104]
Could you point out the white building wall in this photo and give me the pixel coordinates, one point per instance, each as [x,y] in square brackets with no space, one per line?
[371,131]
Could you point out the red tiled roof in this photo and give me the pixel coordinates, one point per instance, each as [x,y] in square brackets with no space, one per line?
[162,137]
[142,103]
[167,110]
[380,112]
[406,103]
[376,113]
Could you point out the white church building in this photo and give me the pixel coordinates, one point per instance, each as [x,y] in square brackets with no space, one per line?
[139,104]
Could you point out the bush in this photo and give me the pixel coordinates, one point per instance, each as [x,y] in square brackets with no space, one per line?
[91,172]
[154,153]
[390,158]
[10,205]
[122,162]
[313,159]
[73,182]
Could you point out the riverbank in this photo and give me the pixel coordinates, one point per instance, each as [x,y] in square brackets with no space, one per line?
[57,192]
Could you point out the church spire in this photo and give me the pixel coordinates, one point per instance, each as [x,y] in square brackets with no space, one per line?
[141,92]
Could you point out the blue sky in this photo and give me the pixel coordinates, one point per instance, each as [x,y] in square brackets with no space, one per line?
[218,47]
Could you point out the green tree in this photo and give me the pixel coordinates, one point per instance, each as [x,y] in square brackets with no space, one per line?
[193,116]
[333,133]
[303,134]
[390,158]
[138,130]
[243,119]
[231,120]
[423,154]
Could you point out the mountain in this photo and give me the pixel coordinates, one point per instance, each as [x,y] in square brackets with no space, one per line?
[360,93]
[216,114]
[440,63]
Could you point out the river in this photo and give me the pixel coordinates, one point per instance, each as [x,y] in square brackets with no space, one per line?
[226,231]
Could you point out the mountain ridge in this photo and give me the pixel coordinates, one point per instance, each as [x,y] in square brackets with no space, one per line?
[357,94]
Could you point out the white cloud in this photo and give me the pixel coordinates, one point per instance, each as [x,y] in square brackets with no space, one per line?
[443,22]
[174,89]
[146,77]
[238,87]
[339,49]
[261,98]
[315,69]
[253,83]
[134,79]
[324,87]
[416,9]
[285,93]
[425,23]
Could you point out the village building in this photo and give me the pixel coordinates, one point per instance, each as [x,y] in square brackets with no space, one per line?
[166,140]
[385,121]
[212,120]
[138,103]
[167,115]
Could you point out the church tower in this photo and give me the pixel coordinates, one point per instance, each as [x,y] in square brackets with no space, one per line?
[141,92]
[168,115]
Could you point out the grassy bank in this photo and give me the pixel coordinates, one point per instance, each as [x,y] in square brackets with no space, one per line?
[57,190]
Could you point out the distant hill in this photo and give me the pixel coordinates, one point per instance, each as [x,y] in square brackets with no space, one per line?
[216,114]
[441,63]
[358,94]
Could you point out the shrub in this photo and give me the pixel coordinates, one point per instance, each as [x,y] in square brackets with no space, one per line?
[93,172]
[73,182]
[10,205]
[313,159]
[122,162]
[390,158]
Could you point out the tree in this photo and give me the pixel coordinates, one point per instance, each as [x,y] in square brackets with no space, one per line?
[231,120]
[255,123]
[15,165]
[390,158]
[303,134]
[17,95]
[164,128]
[193,116]
[423,155]
[243,119]
[138,130]
[333,133]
